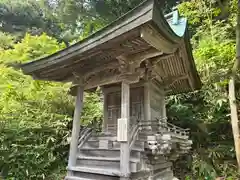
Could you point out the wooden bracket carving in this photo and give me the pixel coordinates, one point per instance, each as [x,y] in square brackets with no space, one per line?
[124,65]
[77,79]
[106,67]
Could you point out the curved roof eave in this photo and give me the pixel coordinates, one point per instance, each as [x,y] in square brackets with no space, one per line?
[170,26]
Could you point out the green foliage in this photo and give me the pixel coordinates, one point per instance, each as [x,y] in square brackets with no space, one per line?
[30,48]
[65,20]
[199,12]
[6,40]
[34,124]
[18,17]
[35,116]
[90,15]
[202,15]
[206,112]
[214,53]
[94,106]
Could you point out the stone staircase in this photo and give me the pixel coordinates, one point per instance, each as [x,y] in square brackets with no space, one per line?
[99,158]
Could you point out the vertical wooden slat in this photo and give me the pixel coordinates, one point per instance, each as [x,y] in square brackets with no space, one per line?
[76,128]
[125,152]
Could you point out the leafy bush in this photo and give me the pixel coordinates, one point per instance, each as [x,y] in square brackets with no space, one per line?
[206,112]
[35,116]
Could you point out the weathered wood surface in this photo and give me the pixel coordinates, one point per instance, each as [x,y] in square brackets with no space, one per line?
[122,50]
[147,107]
[114,105]
[150,35]
[125,150]
[132,20]
[75,128]
[234,119]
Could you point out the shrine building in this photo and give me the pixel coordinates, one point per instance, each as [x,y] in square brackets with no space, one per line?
[137,61]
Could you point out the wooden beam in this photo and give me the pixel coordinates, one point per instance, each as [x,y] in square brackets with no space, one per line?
[111,79]
[118,87]
[124,149]
[98,81]
[131,62]
[75,128]
[104,67]
[152,37]
[140,57]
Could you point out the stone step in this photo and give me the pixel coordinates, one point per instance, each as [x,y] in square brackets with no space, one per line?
[166,174]
[93,178]
[140,175]
[106,162]
[174,138]
[142,138]
[162,165]
[106,134]
[95,173]
[150,131]
[91,144]
[76,178]
[135,153]
[137,145]
[112,159]
[97,138]
[111,144]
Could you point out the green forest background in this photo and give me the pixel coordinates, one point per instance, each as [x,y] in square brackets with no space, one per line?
[36,116]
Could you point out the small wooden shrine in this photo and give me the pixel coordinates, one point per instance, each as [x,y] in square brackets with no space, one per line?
[137,61]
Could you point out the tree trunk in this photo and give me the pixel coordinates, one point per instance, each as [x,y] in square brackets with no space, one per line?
[234,119]
[232,94]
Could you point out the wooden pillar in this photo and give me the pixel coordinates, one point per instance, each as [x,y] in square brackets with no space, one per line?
[163,107]
[124,150]
[147,107]
[76,128]
[105,111]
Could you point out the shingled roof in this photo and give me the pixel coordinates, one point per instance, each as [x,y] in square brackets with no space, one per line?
[143,34]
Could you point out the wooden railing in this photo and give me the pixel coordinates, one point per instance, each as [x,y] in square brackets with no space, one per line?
[162,124]
[85,133]
[173,128]
[134,130]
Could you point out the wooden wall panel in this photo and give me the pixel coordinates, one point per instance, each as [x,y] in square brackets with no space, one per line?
[157,103]
[136,105]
